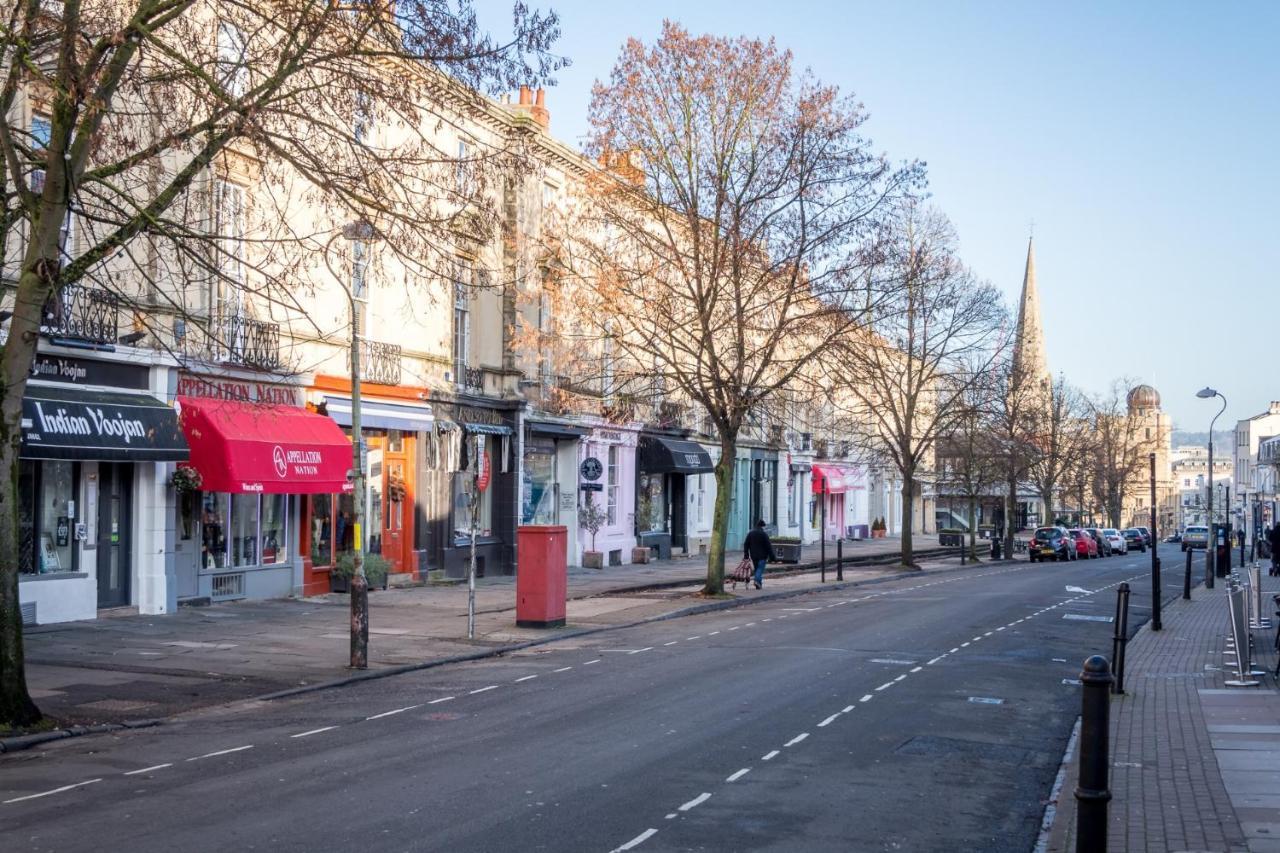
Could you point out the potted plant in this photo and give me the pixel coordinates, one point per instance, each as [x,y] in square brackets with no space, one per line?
[591,518]
[951,536]
[877,528]
[186,479]
[376,568]
[786,549]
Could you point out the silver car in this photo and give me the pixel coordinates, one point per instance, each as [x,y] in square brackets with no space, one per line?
[1115,540]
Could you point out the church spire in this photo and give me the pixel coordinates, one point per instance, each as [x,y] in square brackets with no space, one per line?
[1028,348]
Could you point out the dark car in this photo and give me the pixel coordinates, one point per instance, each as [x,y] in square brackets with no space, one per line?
[1104,547]
[1146,535]
[1051,543]
[1134,539]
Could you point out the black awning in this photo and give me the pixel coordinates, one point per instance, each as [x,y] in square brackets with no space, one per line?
[801,467]
[486,429]
[74,423]
[659,455]
[557,430]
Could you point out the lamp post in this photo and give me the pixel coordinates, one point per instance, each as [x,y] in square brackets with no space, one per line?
[358,233]
[1207,393]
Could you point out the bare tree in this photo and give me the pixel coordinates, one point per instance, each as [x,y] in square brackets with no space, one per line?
[968,454]
[934,335]
[1118,451]
[1020,401]
[118,114]
[1061,433]
[721,241]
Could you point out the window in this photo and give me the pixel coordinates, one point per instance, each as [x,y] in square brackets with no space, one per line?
[461,318]
[359,269]
[41,135]
[361,118]
[606,364]
[611,486]
[46,516]
[321,530]
[793,499]
[462,166]
[233,68]
[245,530]
[702,499]
[229,226]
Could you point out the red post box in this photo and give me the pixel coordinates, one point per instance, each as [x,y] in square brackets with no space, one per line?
[541,579]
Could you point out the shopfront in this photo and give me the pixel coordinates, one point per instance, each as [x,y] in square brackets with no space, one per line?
[763,502]
[449,505]
[88,464]
[391,428]
[606,476]
[827,510]
[664,464]
[252,465]
[548,477]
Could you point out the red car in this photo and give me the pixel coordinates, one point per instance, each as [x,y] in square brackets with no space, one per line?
[1086,547]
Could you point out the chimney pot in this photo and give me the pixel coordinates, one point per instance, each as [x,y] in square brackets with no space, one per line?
[525,95]
[542,97]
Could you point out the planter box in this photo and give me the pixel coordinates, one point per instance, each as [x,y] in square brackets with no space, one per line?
[787,553]
[639,555]
[951,539]
[593,559]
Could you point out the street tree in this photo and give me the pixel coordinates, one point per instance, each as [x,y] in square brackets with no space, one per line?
[1119,448]
[933,334]
[718,245]
[120,115]
[1020,398]
[968,454]
[1061,438]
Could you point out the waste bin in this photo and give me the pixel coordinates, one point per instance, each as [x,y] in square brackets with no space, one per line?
[541,582]
[995,548]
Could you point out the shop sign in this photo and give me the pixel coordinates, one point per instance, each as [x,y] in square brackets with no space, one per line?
[591,469]
[608,435]
[81,371]
[474,415]
[242,390]
[482,476]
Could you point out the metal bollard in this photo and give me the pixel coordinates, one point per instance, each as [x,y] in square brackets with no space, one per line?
[1186,577]
[1120,638]
[964,549]
[1208,566]
[822,551]
[1093,791]
[840,559]
[1157,594]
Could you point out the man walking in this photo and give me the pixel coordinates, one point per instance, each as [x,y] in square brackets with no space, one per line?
[759,550]
[1273,539]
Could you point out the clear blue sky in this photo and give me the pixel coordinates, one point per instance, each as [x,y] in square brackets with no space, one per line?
[1141,138]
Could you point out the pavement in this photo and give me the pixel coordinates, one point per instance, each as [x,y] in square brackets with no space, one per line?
[133,668]
[1195,765]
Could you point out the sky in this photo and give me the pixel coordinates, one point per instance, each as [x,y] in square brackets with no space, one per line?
[1139,140]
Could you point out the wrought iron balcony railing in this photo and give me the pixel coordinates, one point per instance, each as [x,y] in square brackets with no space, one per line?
[83,313]
[380,362]
[470,380]
[236,339]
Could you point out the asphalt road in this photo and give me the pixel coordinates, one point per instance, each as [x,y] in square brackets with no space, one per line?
[929,713]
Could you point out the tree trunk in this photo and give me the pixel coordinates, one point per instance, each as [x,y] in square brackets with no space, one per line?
[1009,512]
[720,519]
[908,519]
[973,529]
[16,707]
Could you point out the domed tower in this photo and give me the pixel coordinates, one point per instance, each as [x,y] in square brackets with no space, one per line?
[1153,431]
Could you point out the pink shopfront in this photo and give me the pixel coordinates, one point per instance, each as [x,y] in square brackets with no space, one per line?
[607,477]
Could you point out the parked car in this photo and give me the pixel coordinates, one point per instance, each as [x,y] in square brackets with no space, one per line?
[1051,543]
[1195,536]
[1175,538]
[1146,534]
[1134,539]
[1085,546]
[1116,540]
[1104,547]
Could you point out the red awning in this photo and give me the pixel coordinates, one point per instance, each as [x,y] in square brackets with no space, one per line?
[254,447]
[827,479]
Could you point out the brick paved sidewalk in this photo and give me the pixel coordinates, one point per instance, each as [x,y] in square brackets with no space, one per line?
[1195,764]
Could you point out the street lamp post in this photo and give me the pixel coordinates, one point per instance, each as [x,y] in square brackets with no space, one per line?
[356,233]
[1155,559]
[1207,393]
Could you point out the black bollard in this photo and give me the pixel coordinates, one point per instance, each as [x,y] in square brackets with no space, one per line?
[1094,792]
[1208,566]
[1156,594]
[840,559]
[963,549]
[1120,637]
[1186,578]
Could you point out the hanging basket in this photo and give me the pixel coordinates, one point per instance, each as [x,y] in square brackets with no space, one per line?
[186,479]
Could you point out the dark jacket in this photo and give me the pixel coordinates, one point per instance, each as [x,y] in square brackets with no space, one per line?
[757,546]
[1273,536]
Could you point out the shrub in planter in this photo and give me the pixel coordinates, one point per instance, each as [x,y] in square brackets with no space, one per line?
[951,536]
[787,549]
[376,568]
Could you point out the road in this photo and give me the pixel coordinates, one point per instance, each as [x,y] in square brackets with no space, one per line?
[927,713]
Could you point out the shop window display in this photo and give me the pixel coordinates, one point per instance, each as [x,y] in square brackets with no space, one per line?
[243,530]
[46,516]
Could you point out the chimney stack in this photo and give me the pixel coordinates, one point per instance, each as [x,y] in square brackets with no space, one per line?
[535,109]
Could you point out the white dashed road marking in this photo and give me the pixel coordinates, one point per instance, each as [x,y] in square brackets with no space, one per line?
[795,740]
[163,766]
[390,713]
[636,842]
[526,678]
[828,721]
[299,734]
[736,776]
[773,753]
[221,752]
[482,689]
[695,802]
[47,793]
[447,698]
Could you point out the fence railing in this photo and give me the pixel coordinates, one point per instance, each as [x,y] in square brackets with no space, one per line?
[83,313]
[236,339]
[380,362]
